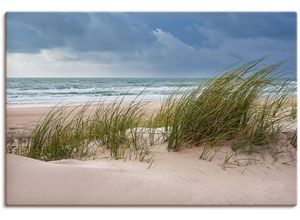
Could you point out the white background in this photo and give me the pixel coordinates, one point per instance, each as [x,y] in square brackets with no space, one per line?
[166,213]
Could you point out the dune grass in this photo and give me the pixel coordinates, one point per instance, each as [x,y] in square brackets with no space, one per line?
[293,113]
[115,125]
[67,132]
[231,106]
[60,134]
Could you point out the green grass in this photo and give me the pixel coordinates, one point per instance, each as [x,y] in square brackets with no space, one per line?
[115,125]
[67,132]
[232,106]
[60,134]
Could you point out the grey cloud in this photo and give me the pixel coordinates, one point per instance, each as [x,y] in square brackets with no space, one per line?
[30,32]
[159,44]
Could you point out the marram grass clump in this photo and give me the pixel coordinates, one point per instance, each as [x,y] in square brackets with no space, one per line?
[60,134]
[67,132]
[115,126]
[232,106]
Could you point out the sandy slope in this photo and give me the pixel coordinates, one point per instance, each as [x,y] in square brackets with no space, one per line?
[174,179]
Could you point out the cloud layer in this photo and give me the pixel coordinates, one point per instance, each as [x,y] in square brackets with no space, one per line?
[144,44]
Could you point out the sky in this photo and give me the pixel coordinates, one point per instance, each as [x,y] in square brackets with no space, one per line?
[145,44]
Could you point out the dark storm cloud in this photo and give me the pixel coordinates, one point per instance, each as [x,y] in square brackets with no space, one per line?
[280,26]
[186,26]
[30,32]
[158,43]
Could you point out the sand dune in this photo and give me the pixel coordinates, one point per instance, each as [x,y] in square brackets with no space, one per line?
[173,179]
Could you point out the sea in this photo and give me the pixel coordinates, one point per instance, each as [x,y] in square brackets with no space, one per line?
[52,91]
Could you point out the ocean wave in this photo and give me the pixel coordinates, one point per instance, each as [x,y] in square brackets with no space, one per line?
[51,91]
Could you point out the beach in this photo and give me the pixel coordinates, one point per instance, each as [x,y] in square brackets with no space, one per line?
[188,113]
[173,178]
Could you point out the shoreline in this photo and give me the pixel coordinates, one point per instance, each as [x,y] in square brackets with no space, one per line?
[70,104]
[11,106]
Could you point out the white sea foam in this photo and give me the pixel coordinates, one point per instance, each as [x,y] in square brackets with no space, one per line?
[36,91]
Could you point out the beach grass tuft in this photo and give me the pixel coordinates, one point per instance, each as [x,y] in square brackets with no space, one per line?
[65,133]
[232,106]
[59,135]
